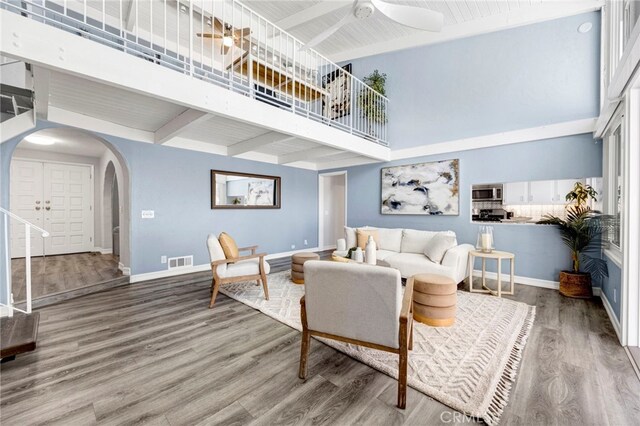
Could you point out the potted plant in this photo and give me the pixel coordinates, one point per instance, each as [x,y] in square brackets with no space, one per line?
[371,106]
[582,231]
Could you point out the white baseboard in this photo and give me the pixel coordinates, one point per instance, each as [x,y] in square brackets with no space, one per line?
[612,315]
[5,311]
[125,269]
[535,282]
[103,250]
[200,268]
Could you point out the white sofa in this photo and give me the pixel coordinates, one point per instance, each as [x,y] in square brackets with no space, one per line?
[404,250]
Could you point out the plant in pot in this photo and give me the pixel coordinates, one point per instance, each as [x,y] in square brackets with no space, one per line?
[371,106]
[582,232]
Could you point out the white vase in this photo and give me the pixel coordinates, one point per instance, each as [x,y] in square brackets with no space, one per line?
[370,251]
[358,255]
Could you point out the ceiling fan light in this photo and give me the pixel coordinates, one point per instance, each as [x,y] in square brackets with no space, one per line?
[40,140]
[227,41]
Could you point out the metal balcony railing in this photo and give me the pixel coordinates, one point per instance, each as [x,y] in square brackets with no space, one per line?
[224,43]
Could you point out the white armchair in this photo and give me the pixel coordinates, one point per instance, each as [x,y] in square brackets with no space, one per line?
[241,268]
[359,304]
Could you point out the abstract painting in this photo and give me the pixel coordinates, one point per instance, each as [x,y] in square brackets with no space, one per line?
[424,189]
[260,193]
[337,101]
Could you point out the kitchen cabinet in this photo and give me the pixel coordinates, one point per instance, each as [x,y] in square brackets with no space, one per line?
[541,192]
[515,193]
[563,187]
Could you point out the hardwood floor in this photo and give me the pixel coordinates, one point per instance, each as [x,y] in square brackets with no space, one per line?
[56,274]
[153,353]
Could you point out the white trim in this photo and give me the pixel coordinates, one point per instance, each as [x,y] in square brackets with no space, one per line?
[543,11]
[612,315]
[102,250]
[321,203]
[614,255]
[179,124]
[16,126]
[6,311]
[531,134]
[535,282]
[125,269]
[201,268]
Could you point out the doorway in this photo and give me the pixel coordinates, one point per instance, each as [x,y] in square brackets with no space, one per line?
[332,205]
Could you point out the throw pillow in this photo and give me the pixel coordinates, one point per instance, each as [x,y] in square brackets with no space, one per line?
[228,246]
[438,246]
[350,236]
[363,237]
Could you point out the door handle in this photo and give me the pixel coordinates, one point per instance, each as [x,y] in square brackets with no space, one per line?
[38,202]
[47,202]
[47,208]
[37,208]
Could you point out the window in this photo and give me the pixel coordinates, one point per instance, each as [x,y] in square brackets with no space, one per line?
[615,186]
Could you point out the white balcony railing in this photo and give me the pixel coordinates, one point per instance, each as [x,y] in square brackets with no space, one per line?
[6,215]
[225,43]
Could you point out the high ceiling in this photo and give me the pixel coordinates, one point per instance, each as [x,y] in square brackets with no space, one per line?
[376,34]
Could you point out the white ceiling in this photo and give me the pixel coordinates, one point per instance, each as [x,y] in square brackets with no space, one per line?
[67,141]
[377,34]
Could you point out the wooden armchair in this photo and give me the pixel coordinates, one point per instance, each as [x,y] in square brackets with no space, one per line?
[242,268]
[358,304]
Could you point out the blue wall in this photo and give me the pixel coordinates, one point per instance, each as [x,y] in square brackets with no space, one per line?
[614,281]
[508,80]
[539,250]
[175,183]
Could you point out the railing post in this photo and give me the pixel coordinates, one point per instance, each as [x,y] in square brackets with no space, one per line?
[27,263]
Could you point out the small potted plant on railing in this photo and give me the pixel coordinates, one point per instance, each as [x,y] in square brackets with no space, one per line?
[583,232]
[371,106]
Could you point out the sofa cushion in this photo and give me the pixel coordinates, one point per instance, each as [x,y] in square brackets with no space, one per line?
[245,267]
[390,239]
[414,241]
[350,236]
[362,235]
[439,244]
[410,264]
[383,254]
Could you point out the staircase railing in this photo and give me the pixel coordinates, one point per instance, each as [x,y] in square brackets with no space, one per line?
[6,215]
[225,43]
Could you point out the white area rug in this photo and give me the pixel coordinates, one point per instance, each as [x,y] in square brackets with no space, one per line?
[469,367]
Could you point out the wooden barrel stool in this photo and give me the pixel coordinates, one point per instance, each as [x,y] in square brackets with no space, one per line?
[434,300]
[297,265]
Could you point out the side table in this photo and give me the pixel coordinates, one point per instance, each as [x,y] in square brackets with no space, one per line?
[499,256]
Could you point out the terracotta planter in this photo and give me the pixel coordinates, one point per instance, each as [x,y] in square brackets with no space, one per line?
[576,285]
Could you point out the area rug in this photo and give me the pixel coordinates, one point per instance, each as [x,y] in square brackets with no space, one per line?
[469,367]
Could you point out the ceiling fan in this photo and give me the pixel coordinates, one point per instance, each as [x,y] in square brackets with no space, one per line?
[410,16]
[228,34]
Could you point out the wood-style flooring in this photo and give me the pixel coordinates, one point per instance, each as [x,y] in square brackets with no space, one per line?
[153,353]
[52,275]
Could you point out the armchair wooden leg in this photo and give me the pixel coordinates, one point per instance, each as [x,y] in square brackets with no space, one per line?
[264,284]
[216,286]
[304,353]
[402,378]
[411,334]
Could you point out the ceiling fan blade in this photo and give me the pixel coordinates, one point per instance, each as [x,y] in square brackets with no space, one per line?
[243,32]
[348,18]
[218,26]
[411,16]
[205,35]
[225,49]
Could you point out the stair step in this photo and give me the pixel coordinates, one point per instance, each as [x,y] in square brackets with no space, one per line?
[18,334]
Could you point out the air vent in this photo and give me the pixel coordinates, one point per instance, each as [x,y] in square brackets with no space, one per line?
[180,262]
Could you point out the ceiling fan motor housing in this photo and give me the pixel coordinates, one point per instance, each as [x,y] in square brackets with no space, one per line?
[364,10]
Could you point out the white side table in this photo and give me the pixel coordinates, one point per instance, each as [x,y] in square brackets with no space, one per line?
[499,256]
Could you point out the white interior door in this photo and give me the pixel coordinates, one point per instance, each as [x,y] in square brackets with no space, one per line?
[68,214]
[27,202]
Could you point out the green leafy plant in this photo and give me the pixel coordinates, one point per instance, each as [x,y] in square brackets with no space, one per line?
[373,107]
[582,231]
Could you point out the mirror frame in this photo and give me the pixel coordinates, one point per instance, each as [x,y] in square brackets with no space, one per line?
[277,190]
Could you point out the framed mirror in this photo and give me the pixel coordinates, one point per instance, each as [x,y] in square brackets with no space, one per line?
[233,190]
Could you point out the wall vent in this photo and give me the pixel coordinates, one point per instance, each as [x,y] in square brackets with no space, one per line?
[180,262]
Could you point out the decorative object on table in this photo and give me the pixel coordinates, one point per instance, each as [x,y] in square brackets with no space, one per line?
[370,251]
[228,266]
[372,107]
[358,255]
[297,265]
[583,231]
[499,256]
[341,244]
[486,342]
[337,102]
[434,300]
[233,190]
[336,293]
[423,189]
[484,242]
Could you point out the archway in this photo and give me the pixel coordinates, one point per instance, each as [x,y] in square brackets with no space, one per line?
[72,151]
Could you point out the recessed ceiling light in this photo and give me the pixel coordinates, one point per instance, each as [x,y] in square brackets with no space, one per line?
[40,140]
[585,27]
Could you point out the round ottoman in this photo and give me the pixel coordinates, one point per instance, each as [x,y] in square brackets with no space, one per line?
[297,262]
[434,300]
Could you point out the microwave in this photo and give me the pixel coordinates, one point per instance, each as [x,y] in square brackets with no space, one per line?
[486,192]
